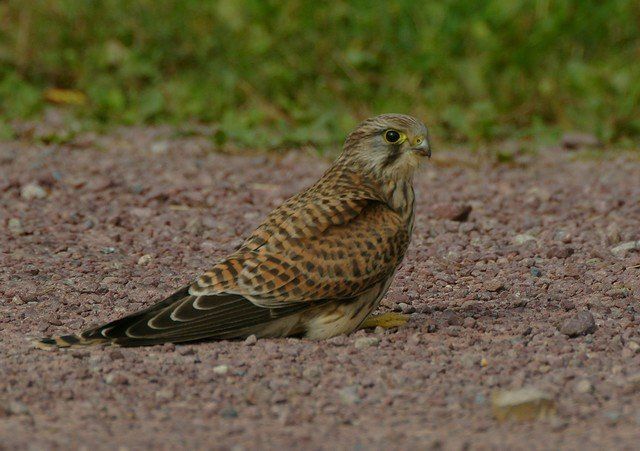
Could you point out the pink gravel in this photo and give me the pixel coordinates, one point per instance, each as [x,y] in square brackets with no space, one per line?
[122,220]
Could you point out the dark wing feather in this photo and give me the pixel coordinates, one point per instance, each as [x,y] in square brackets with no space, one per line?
[183,317]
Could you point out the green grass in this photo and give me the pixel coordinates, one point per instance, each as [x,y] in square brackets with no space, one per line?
[275,74]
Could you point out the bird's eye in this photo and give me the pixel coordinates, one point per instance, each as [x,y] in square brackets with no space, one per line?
[391,136]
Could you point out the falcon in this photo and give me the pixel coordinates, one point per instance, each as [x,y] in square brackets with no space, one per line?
[317,266]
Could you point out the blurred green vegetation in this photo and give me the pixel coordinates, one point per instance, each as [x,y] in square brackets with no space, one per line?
[277,73]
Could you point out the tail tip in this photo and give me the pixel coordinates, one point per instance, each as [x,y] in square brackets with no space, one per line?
[51,343]
[46,344]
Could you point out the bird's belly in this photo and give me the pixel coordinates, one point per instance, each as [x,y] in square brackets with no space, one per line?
[342,318]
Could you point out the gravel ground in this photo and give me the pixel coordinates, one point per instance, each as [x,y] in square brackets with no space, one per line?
[537,288]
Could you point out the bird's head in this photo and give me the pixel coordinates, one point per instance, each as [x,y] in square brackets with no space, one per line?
[392,146]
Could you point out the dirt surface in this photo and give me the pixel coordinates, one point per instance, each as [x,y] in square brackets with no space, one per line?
[106,225]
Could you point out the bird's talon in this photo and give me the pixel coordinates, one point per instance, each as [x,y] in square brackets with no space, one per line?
[385,320]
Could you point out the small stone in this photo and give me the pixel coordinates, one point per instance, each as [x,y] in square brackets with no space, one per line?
[160,147]
[584,386]
[579,140]
[523,404]
[562,235]
[632,345]
[632,384]
[116,354]
[469,360]
[612,416]
[339,340]
[17,300]
[145,259]
[454,331]
[582,323]
[613,233]
[13,408]
[379,330]
[228,412]
[33,191]
[185,351]
[406,308]
[221,369]
[366,342]
[452,318]
[108,250]
[165,394]
[432,327]
[469,322]
[523,238]
[311,372]
[116,379]
[560,252]
[535,272]
[567,304]
[257,394]
[493,285]
[251,340]
[622,249]
[349,395]
[15,227]
[451,211]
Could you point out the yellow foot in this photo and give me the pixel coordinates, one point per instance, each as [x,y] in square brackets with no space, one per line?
[385,320]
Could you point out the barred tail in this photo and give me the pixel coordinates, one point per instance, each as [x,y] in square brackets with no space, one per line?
[66,341]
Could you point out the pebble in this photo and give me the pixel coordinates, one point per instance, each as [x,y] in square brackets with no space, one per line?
[523,404]
[221,369]
[632,384]
[523,238]
[311,372]
[116,379]
[33,191]
[584,386]
[493,285]
[229,412]
[581,323]
[622,249]
[366,342]
[452,318]
[160,147]
[145,259]
[567,304]
[13,408]
[451,211]
[250,340]
[349,395]
[406,308]
[560,252]
[535,272]
[579,140]
[116,354]
[15,227]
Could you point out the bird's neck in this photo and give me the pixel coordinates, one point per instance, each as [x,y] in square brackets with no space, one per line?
[400,197]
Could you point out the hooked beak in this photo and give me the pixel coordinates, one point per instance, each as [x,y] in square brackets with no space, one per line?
[423,149]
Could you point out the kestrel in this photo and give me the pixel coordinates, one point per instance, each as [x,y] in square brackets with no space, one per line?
[316,267]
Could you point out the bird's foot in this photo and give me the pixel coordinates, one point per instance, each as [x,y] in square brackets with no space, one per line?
[385,320]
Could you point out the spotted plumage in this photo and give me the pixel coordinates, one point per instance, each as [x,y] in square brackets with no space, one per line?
[316,267]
